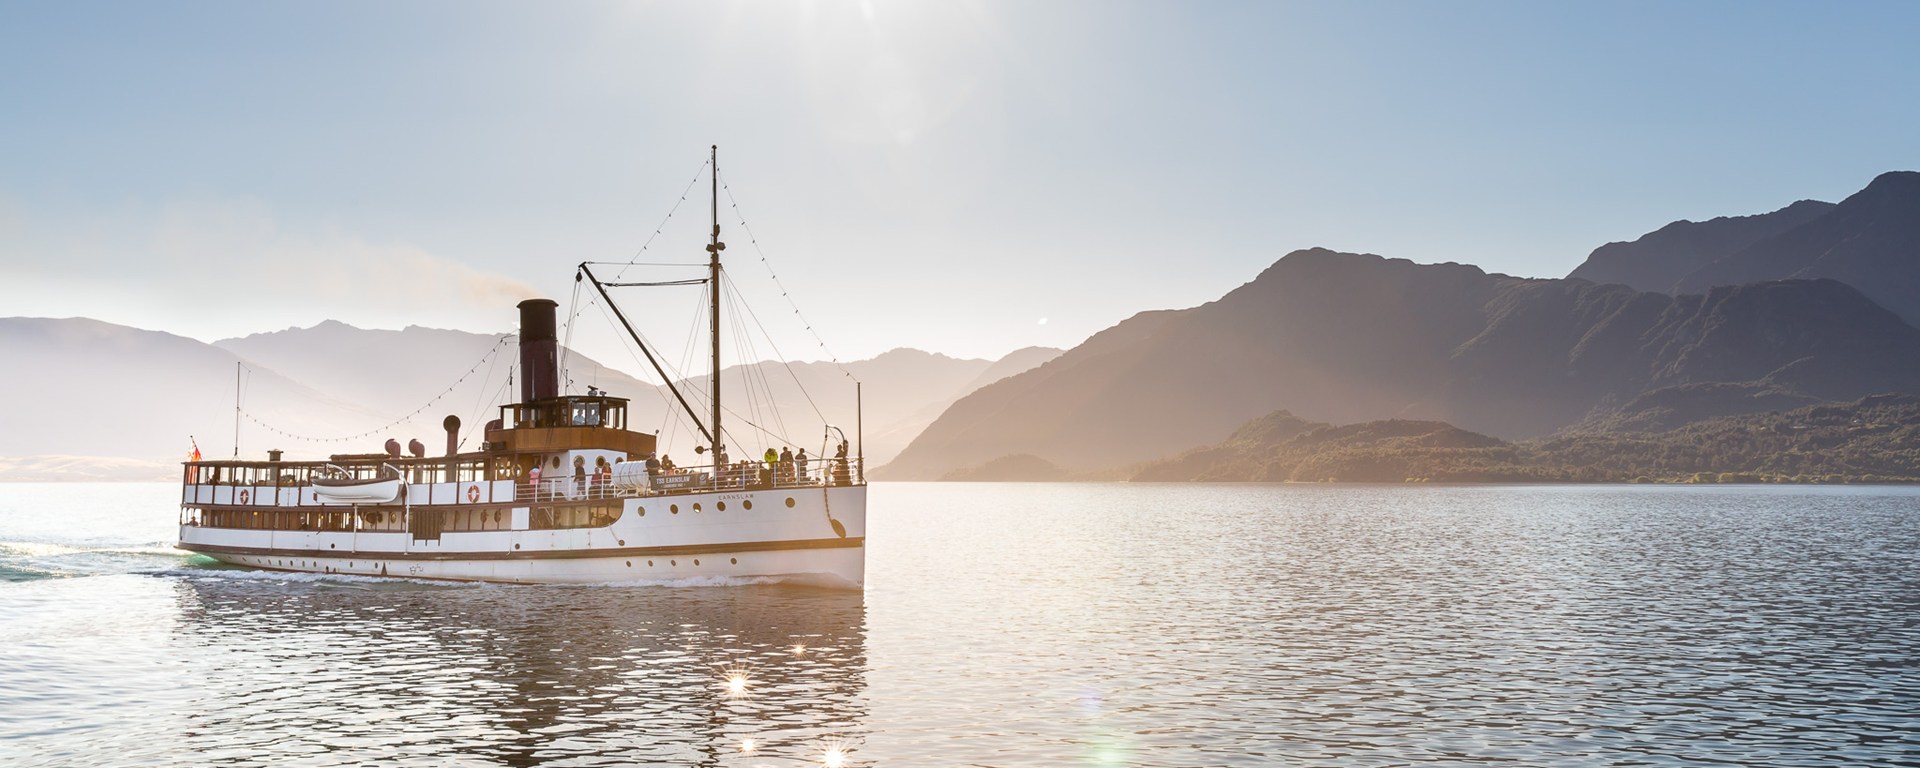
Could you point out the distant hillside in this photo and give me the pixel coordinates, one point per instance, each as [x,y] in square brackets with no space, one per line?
[1875,439]
[1658,260]
[1020,468]
[84,388]
[116,402]
[392,373]
[1871,241]
[1346,338]
[904,391]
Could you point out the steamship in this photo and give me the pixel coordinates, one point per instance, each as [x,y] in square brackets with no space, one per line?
[533,505]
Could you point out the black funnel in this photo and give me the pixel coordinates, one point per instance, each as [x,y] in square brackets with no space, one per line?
[539,365]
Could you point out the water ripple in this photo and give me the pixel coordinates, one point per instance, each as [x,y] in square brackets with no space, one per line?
[1029,625]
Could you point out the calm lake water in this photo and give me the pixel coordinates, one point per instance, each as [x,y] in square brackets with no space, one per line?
[1019,625]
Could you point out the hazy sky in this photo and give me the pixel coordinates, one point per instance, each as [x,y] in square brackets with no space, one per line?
[956,176]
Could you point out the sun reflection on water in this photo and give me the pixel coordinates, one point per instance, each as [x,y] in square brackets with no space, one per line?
[835,754]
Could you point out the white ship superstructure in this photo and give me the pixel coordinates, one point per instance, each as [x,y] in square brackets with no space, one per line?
[561,491]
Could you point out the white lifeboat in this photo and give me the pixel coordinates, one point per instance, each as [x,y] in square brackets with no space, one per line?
[342,488]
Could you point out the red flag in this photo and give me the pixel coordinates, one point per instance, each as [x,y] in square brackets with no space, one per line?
[195,454]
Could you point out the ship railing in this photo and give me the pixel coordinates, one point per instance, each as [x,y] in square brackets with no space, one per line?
[696,479]
[756,476]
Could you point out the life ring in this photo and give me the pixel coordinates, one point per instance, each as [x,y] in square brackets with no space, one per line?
[243,497]
[473,494]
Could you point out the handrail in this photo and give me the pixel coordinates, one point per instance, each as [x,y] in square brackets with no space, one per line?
[703,478]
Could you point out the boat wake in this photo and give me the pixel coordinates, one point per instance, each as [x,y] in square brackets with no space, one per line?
[212,571]
[35,560]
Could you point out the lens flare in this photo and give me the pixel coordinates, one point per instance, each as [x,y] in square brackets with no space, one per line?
[799,649]
[747,746]
[835,754]
[736,683]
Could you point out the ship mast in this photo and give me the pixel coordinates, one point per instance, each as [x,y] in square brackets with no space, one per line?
[713,281]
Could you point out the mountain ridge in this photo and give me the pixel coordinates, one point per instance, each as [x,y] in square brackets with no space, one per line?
[333,378]
[1869,240]
[1346,338]
[1659,260]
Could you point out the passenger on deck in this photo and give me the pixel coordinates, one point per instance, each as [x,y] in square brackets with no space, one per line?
[533,481]
[786,464]
[800,464]
[841,475]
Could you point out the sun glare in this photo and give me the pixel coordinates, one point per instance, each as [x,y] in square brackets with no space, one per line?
[736,682]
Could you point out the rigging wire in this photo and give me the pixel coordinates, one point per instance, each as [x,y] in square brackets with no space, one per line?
[660,284]
[663,222]
[700,264]
[498,396]
[686,357]
[776,350]
[566,347]
[699,396]
[755,241]
[670,409]
[396,422]
[744,352]
[745,340]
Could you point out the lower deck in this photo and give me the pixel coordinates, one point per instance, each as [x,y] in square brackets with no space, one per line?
[720,533]
[836,563]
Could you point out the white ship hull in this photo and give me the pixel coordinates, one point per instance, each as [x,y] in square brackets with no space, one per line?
[788,534]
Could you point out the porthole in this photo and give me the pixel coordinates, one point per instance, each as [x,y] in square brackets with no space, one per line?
[733,560]
[674,509]
[641,510]
[629,563]
[673,562]
[623,542]
[789,502]
[696,506]
[696,561]
[720,506]
[748,504]
[649,563]
[516,546]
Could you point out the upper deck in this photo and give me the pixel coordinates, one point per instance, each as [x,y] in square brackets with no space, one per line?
[489,479]
[567,423]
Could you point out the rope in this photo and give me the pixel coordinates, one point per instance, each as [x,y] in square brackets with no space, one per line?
[663,222]
[566,347]
[690,281]
[672,409]
[755,241]
[741,300]
[743,346]
[497,397]
[396,422]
